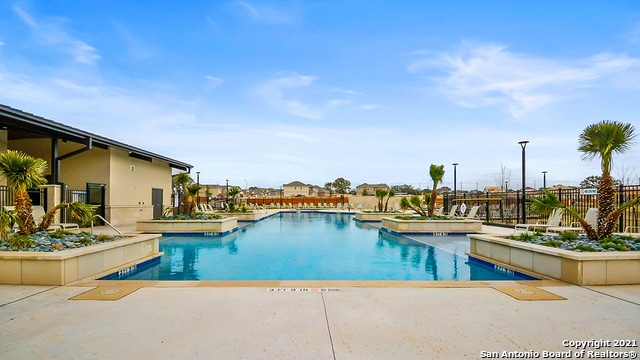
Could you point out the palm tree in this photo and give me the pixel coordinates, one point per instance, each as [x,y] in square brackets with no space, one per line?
[414,203]
[181,184]
[603,140]
[392,192]
[22,172]
[233,192]
[193,191]
[380,194]
[437,173]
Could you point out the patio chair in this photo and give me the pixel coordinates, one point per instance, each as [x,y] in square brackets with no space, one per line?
[473,213]
[453,210]
[554,221]
[591,217]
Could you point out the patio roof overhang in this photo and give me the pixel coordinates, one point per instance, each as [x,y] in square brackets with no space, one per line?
[25,125]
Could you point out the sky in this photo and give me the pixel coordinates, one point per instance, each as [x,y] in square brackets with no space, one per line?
[263,93]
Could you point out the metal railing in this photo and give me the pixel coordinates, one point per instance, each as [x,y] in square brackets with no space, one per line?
[503,208]
[106,222]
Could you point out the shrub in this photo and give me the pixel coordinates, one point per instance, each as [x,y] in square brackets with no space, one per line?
[568,236]
[552,243]
[20,242]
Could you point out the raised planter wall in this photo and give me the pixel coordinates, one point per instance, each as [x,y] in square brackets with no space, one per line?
[64,267]
[372,216]
[435,227]
[587,268]
[216,226]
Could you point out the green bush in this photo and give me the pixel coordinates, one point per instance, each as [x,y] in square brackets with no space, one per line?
[20,242]
[568,236]
[552,243]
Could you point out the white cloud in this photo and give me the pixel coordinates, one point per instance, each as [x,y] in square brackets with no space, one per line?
[490,75]
[369,106]
[213,82]
[51,33]
[265,14]
[273,93]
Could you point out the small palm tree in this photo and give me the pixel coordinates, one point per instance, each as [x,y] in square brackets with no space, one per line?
[603,140]
[193,191]
[380,194]
[181,183]
[437,173]
[391,193]
[25,172]
[233,192]
[414,203]
[22,172]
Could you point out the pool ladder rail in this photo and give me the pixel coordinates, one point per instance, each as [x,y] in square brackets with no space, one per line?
[106,222]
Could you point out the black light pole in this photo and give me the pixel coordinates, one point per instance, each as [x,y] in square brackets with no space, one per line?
[523,145]
[455,189]
[226,196]
[544,179]
[198,182]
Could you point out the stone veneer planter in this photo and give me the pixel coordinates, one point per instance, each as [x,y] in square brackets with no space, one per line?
[64,267]
[372,216]
[208,227]
[580,268]
[433,227]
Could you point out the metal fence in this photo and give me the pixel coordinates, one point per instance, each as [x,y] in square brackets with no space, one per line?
[504,208]
[38,197]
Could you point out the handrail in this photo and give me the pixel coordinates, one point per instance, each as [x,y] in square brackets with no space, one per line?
[106,222]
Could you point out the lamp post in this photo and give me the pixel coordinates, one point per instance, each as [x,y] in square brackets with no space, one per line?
[544,179]
[198,182]
[523,145]
[226,195]
[455,189]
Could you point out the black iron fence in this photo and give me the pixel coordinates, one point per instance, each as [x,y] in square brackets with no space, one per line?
[38,197]
[504,208]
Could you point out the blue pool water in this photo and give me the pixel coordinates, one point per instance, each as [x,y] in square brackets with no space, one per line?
[309,246]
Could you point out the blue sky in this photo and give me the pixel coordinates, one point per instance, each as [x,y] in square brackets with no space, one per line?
[264,93]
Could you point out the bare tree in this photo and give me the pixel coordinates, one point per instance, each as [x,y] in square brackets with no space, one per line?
[503,177]
[625,175]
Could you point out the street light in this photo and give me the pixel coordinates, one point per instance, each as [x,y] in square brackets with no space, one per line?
[455,189]
[544,179]
[523,145]
[226,195]
[198,182]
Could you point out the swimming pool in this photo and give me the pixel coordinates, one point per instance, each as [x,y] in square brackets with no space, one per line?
[309,246]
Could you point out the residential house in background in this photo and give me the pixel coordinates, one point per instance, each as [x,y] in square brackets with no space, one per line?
[370,189]
[297,188]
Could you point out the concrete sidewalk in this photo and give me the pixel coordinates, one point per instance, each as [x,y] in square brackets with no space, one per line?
[310,320]
[190,321]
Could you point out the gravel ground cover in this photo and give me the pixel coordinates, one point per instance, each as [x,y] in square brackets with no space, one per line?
[580,243]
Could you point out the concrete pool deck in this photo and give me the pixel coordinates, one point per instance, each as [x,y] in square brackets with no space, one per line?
[311,320]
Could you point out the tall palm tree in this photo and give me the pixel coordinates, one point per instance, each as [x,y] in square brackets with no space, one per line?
[437,173]
[22,172]
[602,140]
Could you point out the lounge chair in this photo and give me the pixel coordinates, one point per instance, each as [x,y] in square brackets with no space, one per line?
[591,217]
[473,213]
[554,221]
[453,210]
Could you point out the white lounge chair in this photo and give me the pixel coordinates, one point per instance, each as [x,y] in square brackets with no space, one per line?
[591,217]
[473,213]
[453,210]
[38,213]
[554,221]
